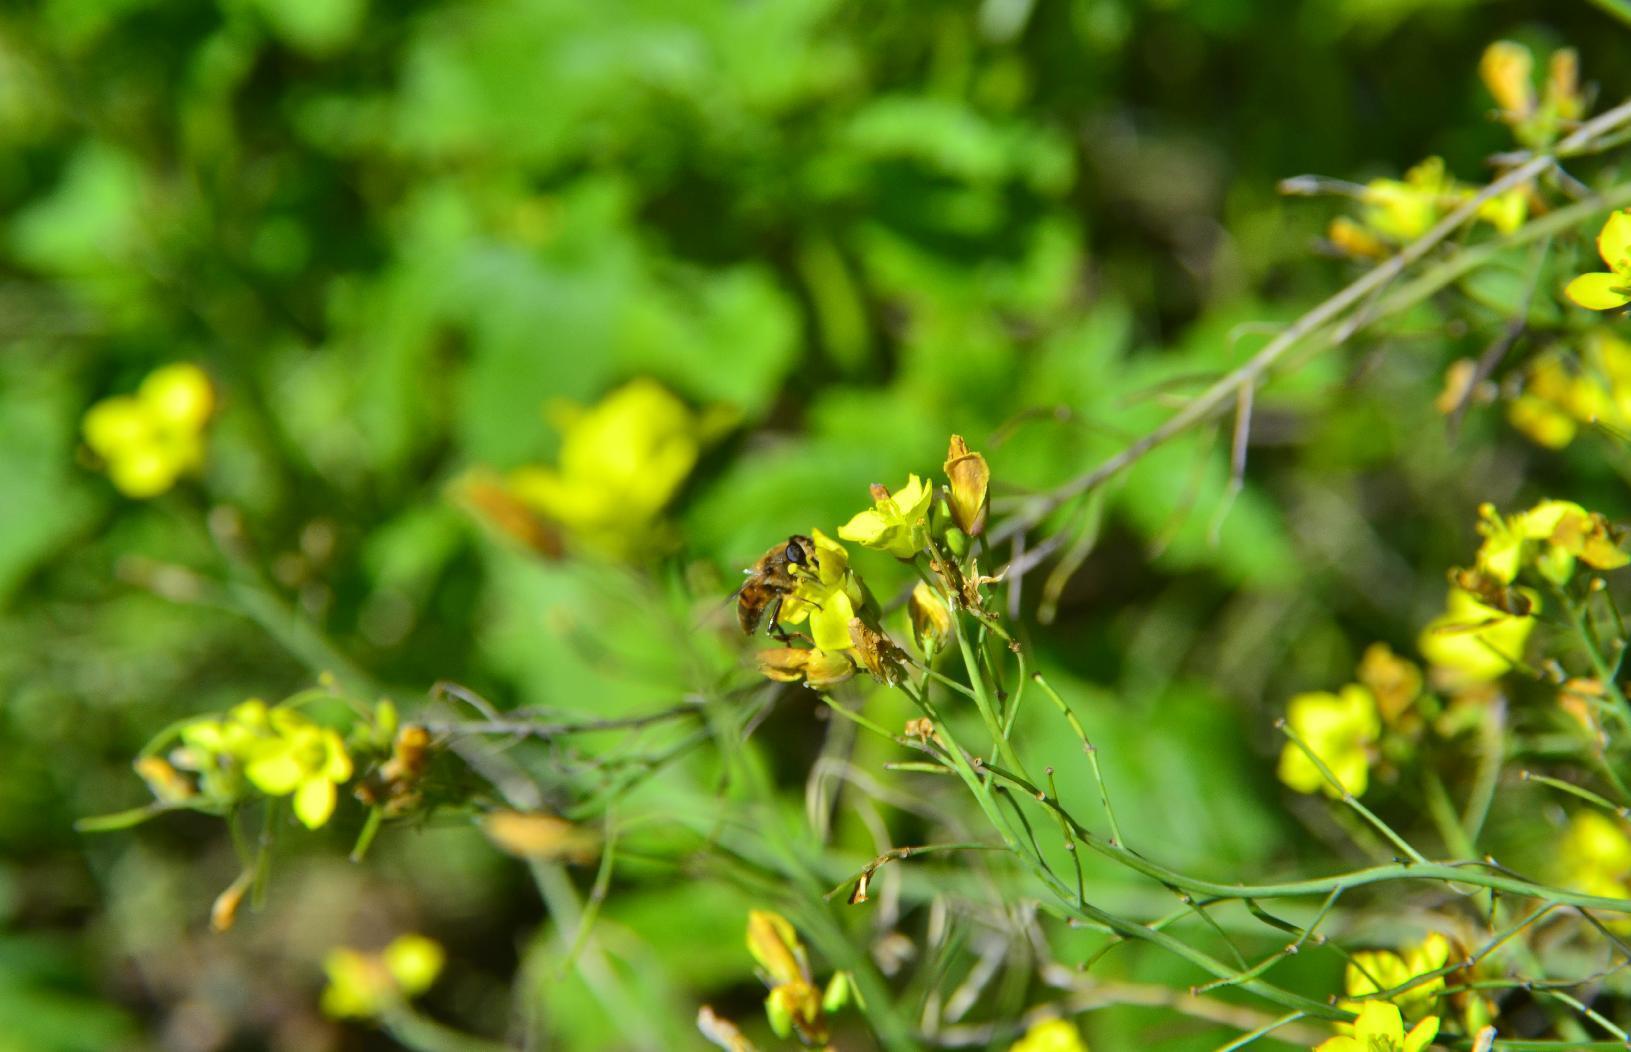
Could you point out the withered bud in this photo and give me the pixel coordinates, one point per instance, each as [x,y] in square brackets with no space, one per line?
[931,618]
[224,911]
[1563,84]
[969,477]
[879,491]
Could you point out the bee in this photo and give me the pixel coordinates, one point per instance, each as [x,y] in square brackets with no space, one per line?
[770,581]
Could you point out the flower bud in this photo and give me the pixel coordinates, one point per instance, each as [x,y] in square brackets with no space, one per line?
[931,619]
[1505,70]
[969,477]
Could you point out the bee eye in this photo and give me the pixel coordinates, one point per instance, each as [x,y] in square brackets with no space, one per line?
[794,554]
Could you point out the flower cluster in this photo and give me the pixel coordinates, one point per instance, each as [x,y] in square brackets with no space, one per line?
[1373,972]
[368,985]
[148,440]
[826,595]
[276,750]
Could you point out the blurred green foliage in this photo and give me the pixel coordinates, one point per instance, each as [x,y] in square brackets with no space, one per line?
[395,234]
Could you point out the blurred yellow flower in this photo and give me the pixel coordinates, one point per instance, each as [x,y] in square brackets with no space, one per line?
[1556,399]
[1394,212]
[1050,1035]
[827,598]
[621,462]
[1380,1028]
[1506,70]
[1392,680]
[1373,971]
[1471,643]
[897,524]
[364,985]
[277,750]
[1594,855]
[1607,291]
[150,439]
[1340,729]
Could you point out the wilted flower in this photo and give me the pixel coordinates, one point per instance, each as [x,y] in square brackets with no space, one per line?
[817,668]
[969,477]
[1392,680]
[150,439]
[1600,291]
[827,598]
[1380,1028]
[1340,729]
[621,462]
[364,985]
[877,653]
[897,524]
[1050,1035]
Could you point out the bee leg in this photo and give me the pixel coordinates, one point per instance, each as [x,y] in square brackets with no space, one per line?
[775,625]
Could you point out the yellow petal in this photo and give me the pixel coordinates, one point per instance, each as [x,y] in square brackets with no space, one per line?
[866,527]
[775,945]
[1614,241]
[314,801]
[829,626]
[1421,1035]
[275,771]
[1597,291]
[1379,1025]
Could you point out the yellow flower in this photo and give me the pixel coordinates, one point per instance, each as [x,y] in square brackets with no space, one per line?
[1595,855]
[826,598]
[1600,291]
[1340,729]
[301,758]
[363,985]
[1380,1028]
[969,477]
[897,524]
[620,464]
[1373,971]
[150,439]
[1471,643]
[1050,1035]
